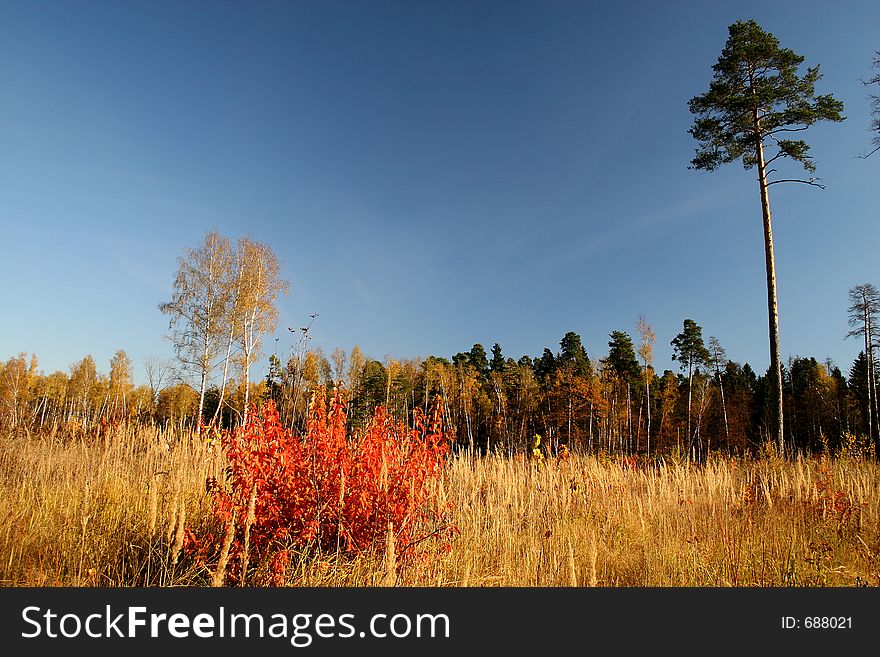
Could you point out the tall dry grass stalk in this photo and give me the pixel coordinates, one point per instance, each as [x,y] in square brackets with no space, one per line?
[179,532]
[248,522]
[219,576]
[390,578]
[172,515]
[593,556]
[572,567]
[152,507]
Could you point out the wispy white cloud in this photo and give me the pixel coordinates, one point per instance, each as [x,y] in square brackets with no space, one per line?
[362,291]
[627,229]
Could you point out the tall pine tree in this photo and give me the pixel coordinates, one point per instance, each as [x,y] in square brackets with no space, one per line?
[756,99]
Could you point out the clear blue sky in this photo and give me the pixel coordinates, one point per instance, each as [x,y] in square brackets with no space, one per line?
[431,174]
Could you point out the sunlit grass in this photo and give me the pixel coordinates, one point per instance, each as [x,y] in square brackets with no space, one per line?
[80,514]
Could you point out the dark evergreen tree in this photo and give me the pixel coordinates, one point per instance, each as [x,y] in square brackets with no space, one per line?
[497,363]
[371,393]
[622,358]
[690,351]
[858,385]
[841,402]
[479,361]
[810,403]
[544,366]
[739,384]
[625,373]
[573,353]
[274,381]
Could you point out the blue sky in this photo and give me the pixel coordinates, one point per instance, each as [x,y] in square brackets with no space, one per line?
[431,174]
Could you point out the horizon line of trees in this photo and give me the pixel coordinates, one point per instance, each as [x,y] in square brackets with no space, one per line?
[615,403]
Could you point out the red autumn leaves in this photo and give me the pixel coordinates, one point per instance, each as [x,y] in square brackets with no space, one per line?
[328,491]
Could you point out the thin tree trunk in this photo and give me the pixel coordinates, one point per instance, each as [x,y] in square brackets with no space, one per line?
[723,404]
[700,422]
[225,376]
[629,432]
[639,425]
[612,420]
[248,347]
[690,388]
[869,371]
[231,338]
[388,388]
[648,395]
[202,384]
[772,302]
[591,425]
[569,420]
[876,436]
[872,384]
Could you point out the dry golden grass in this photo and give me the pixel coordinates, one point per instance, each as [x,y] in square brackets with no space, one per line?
[76,513]
[589,522]
[80,514]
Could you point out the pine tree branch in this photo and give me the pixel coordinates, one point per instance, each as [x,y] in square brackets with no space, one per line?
[813,182]
[774,158]
[776,130]
[866,156]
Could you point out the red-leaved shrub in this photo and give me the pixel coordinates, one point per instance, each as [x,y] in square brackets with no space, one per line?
[325,490]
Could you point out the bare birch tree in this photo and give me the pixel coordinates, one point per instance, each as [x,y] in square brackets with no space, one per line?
[120,382]
[198,309]
[646,352]
[156,370]
[863,310]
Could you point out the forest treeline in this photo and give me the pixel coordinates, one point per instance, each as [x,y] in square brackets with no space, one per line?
[615,403]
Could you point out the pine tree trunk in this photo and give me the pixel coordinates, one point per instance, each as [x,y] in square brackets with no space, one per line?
[772,303]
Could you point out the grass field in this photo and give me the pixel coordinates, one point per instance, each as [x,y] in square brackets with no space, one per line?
[76,513]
